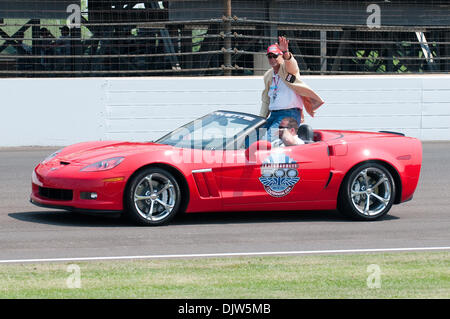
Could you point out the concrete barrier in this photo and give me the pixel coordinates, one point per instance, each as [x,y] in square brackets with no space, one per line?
[62,111]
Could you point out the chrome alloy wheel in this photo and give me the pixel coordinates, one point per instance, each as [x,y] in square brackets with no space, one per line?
[154,197]
[371,191]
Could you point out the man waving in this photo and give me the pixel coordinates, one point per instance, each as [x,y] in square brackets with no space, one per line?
[284,94]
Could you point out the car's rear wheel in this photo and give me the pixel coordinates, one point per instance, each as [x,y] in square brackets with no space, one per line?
[367,192]
[153,197]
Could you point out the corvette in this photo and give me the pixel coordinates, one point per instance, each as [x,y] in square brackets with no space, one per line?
[222,162]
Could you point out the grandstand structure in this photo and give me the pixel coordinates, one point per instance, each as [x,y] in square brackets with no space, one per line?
[68,38]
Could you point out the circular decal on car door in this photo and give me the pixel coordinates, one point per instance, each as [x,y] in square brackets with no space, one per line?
[279,174]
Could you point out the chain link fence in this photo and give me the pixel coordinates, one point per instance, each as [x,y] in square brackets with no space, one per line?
[220,37]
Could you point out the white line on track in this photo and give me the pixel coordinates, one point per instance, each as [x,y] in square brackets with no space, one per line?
[306,252]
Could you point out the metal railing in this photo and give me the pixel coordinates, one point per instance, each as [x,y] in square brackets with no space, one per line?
[227,45]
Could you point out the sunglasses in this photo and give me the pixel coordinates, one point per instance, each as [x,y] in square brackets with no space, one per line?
[272,56]
[282,127]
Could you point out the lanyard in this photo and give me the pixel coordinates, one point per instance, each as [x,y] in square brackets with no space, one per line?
[276,80]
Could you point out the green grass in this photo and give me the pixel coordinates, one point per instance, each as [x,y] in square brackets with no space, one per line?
[403,275]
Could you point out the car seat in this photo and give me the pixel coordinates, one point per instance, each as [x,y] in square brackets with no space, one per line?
[306,133]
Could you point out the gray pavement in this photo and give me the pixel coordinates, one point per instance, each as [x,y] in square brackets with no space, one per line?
[30,232]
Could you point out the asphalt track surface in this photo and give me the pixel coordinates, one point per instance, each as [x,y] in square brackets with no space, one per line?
[30,232]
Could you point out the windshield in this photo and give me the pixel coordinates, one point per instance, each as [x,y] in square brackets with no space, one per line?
[213,131]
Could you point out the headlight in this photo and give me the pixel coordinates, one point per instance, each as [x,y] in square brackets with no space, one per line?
[51,156]
[103,165]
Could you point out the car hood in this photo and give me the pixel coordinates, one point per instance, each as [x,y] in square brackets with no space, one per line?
[91,152]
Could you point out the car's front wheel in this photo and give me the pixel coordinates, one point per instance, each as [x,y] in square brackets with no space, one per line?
[153,197]
[367,192]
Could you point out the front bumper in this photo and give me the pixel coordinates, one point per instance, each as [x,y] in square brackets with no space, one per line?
[69,180]
[74,209]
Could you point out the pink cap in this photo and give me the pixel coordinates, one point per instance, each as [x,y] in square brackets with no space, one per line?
[274,49]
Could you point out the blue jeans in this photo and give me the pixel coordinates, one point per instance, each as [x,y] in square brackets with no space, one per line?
[275,119]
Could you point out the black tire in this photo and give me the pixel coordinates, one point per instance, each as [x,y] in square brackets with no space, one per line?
[367,192]
[152,189]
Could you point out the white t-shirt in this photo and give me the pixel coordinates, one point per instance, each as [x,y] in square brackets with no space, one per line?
[279,142]
[282,97]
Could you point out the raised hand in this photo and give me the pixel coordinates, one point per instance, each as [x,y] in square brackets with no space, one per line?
[283,44]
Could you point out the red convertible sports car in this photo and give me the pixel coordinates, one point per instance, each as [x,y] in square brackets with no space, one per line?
[222,162]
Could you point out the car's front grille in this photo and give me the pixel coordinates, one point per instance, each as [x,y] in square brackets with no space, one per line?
[55,193]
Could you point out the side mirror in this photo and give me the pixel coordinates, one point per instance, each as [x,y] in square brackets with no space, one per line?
[261,145]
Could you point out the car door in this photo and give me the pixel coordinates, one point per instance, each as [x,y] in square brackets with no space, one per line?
[275,178]
[313,168]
